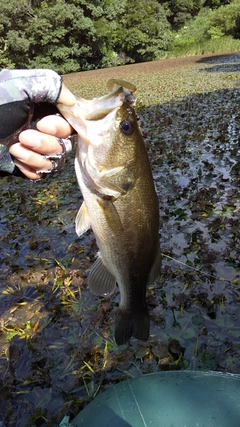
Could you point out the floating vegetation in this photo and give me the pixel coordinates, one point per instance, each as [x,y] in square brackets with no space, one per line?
[56,338]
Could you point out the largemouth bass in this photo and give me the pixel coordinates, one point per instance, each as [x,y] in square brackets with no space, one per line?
[120,203]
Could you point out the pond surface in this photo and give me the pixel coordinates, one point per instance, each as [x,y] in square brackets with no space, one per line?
[56,339]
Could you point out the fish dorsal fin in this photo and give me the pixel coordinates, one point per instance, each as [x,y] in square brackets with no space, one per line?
[82,221]
[156,268]
[100,280]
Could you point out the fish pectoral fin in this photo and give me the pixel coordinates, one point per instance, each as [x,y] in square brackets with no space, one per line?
[117,189]
[82,221]
[112,171]
[100,280]
[156,268]
[109,182]
[110,213]
[117,181]
[103,180]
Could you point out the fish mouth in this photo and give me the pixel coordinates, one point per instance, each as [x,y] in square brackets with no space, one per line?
[119,90]
[110,101]
[98,108]
[100,113]
[97,115]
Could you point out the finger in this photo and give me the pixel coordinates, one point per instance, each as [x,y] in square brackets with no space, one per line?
[66,97]
[39,142]
[27,171]
[55,125]
[28,158]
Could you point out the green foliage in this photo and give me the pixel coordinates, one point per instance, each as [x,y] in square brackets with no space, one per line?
[225,17]
[74,35]
[237,28]
[196,30]
[182,10]
[14,18]
[143,32]
[62,37]
[215,32]
[208,24]
[213,45]
[216,3]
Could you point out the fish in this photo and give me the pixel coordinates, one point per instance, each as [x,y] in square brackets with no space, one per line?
[120,203]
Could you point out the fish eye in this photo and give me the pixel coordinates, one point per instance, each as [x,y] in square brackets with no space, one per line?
[126,127]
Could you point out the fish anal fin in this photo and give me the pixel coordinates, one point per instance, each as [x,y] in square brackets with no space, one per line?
[100,280]
[156,268]
[131,324]
[82,220]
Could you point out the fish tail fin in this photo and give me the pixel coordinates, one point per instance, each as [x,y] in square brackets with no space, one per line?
[129,324]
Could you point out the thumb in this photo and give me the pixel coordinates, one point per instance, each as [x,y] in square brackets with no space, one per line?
[66,97]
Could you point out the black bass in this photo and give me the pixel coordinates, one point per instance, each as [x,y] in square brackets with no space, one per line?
[120,203]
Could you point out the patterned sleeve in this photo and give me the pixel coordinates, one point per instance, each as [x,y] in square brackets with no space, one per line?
[40,85]
[19,91]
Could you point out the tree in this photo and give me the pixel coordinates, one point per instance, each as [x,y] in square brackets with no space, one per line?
[61,37]
[214,4]
[73,35]
[143,32]
[236,31]
[181,11]
[209,24]
[14,45]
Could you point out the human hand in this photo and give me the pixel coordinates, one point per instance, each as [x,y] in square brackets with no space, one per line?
[33,135]
[34,148]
